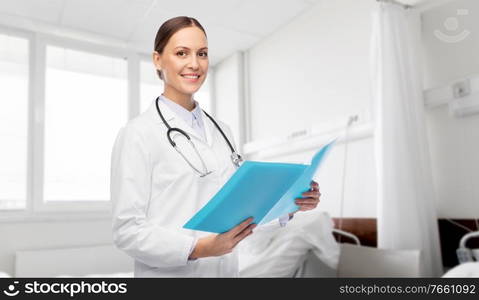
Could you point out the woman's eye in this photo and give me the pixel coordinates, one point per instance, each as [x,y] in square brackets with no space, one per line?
[203,54]
[181,53]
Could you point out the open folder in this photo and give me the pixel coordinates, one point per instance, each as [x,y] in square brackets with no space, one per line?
[262,190]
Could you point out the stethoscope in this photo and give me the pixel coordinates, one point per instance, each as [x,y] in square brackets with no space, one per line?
[236,159]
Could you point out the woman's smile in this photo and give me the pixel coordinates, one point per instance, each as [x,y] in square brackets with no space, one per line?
[191,77]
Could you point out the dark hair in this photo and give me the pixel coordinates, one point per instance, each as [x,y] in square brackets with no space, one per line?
[170,27]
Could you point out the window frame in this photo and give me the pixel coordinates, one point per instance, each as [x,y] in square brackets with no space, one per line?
[143,58]
[28,36]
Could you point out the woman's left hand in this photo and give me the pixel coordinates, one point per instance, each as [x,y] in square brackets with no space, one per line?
[310,200]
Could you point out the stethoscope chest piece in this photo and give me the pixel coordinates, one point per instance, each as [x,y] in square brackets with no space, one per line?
[236,159]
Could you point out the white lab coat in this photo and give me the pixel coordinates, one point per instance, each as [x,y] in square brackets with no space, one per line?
[154,192]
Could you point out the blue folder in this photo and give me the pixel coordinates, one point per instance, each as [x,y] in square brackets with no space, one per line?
[262,190]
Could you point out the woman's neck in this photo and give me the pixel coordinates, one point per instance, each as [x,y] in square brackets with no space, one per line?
[184,100]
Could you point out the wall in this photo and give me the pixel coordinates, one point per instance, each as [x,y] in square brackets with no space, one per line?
[15,236]
[449,61]
[228,92]
[312,70]
[454,142]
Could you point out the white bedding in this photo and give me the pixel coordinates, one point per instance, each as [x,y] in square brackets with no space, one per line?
[280,252]
[470,269]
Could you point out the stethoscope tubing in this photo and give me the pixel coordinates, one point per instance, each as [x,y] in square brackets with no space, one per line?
[235,157]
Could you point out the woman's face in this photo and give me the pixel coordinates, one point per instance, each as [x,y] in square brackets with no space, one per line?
[184,62]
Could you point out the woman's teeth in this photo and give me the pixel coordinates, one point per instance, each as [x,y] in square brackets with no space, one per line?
[191,76]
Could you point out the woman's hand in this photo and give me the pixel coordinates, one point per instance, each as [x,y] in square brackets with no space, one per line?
[220,244]
[310,200]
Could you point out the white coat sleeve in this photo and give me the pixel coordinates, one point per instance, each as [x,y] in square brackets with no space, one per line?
[133,233]
[274,224]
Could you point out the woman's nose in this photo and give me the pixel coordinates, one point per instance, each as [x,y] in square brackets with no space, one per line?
[194,62]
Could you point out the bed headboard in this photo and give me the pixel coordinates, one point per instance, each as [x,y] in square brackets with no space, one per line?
[78,261]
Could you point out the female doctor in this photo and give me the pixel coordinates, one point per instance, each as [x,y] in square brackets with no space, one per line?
[169,161]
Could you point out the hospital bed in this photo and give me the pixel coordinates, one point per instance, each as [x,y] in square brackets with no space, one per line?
[306,248]
[360,261]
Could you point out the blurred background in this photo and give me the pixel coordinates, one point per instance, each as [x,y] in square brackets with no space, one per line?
[285,75]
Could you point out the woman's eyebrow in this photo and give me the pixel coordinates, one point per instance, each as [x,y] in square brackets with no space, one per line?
[183,47]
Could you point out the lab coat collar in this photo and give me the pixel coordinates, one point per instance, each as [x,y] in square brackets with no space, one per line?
[175,121]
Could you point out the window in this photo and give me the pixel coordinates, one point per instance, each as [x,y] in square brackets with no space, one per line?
[13,121]
[80,102]
[85,105]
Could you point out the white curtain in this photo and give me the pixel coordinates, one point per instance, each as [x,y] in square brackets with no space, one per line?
[407,216]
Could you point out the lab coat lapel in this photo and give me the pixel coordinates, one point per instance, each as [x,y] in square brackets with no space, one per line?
[209,128]
[175,121]
[155,117]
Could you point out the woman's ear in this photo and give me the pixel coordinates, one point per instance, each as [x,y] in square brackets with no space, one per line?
[157,60]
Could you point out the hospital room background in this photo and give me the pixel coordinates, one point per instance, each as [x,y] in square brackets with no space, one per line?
[396,81]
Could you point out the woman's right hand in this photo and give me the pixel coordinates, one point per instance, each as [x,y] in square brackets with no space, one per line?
[224,243]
